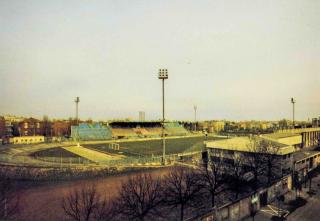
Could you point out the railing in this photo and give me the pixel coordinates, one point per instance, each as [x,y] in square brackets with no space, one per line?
[298,130]
[39,161]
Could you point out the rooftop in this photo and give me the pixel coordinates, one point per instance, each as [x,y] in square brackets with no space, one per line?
[281,135]
[243,144]
[304,154]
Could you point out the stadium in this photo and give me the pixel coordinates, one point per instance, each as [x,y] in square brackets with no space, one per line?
[114,144]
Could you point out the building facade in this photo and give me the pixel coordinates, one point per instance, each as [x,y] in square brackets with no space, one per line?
[229,149]
[29,127]
[142,116]
[6,130]
[2,128]
[61,129]
[26,140]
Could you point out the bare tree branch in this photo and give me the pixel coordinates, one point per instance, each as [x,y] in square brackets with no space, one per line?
[9,200]
[182,187]
[262,158]
[85,204]
[140,197]
[213,175]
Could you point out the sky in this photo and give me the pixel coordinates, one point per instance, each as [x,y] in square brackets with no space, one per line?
[236,60]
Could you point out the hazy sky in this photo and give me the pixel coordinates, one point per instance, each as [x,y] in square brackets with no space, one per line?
[233,59]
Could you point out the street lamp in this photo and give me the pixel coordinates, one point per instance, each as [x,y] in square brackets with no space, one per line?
[163,75]
[293,101]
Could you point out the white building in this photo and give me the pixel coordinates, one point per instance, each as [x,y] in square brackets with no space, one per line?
[142,116]
[26,140]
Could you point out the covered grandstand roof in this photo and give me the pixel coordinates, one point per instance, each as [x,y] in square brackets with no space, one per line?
[134,124]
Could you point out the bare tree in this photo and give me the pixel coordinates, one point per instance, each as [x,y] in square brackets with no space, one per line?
[104,211]
[271,162]
[264,158]
[253,210]
[254,159]
[297,183]
[9,200]
[213,175]
[140,197]
[236,170]
[85,204]
[182,188]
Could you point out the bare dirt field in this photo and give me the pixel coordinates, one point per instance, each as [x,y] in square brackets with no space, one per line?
[44,202]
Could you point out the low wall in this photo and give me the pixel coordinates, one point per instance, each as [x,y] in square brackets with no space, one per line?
[241,208]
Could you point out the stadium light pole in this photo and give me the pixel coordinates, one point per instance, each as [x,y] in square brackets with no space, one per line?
[293,101]
[77,100]
[195,117]
[163,75]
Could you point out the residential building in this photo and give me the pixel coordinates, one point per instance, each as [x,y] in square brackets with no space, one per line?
[61,129]
[142,116]
[216,126]
[6,130]
[2,127]
[29,127]
[13,118]
[315,122]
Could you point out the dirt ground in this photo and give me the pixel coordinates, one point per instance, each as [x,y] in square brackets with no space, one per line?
[44,202]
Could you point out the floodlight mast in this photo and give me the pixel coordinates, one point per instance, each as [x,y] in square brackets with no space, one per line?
[77,100]
[195,117]
[293,101]
[163,75]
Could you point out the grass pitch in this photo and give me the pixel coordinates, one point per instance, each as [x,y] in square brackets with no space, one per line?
[154,147]
[54,152]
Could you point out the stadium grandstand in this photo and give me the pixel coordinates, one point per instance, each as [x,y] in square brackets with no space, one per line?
[175,129]
[95,131]
[145,129]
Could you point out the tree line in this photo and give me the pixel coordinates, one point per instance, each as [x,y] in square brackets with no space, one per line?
[181,193]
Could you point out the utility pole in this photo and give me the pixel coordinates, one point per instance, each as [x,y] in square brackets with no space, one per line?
[293,101]
[163,75]
[195,117]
